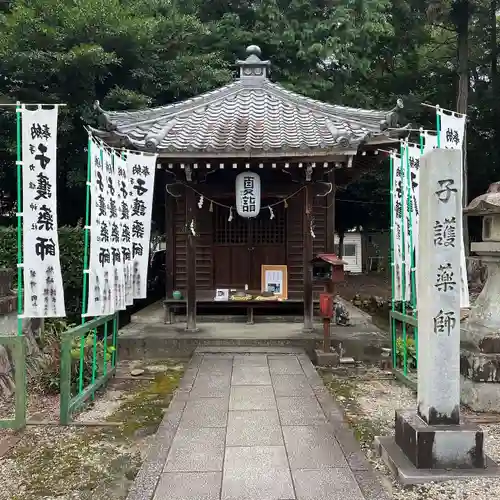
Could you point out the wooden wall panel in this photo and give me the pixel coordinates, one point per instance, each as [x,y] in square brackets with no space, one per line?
[204,248]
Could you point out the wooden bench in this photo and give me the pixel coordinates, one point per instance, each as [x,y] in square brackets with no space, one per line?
[173,306]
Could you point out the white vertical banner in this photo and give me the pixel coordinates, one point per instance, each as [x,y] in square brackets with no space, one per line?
[397,230]
[141,170]
[97,298]
[125,228]
[405,188]
[105,237]
[414,154]
[43,286]
[115,207]
[451,136]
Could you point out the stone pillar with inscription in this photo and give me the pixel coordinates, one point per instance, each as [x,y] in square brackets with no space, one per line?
[432,442]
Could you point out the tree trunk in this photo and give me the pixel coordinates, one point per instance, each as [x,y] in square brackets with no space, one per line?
[7,386]
[34,356]
[462,16]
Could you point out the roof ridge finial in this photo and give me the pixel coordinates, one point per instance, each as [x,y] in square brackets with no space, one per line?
[253,66]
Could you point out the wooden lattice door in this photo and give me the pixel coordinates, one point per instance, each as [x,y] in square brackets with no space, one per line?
[242,245]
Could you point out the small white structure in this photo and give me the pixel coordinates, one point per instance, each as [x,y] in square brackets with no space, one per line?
[352,251]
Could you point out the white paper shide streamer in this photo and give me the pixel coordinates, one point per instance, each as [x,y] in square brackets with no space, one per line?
[451,136]
[141,170]
[43,287]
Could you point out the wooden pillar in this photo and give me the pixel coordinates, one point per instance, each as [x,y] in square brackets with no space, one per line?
[307,257]
[330,216]
[169,245]
[190,262]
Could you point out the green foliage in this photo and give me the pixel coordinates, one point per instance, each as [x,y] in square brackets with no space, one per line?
[71,243]
[49,371]
[411,352]
[131,54]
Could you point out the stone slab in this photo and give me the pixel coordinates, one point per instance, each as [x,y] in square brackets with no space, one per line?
[254,428]
[250,360]
[189,465]
[216,366]
[157,341]
[206,412]
[246,349]
[285,365]
[252,398]
[211,386]
[326,484]
[370,485]
[250,375]
[189,486]
[312,447]
[197,450]
[407,474]
[291,385]
[300,411]
[256,473]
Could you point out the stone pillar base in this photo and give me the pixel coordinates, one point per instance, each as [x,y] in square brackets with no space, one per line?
[420,453]
[439,446]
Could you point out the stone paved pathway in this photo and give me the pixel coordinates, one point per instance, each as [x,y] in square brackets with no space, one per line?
[254,426]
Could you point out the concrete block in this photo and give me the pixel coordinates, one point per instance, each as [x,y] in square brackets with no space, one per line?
[326,358]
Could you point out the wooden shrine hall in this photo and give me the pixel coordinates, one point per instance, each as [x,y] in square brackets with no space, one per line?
[251,185]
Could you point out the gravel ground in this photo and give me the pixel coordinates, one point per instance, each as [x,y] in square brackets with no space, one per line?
[370,401]
[49,462]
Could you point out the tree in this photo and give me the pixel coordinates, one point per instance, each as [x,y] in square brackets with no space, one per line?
[125,54]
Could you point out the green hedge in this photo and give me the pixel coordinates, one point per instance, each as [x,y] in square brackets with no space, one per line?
[71,241]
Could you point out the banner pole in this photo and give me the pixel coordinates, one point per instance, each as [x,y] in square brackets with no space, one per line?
[393,280]
[438,126]
[410,203]
[86,234]
[85,264]
[403,264]
[19,219]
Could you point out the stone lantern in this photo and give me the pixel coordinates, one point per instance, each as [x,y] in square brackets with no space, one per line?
[480,335]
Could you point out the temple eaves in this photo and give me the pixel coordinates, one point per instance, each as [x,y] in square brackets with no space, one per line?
[250,117]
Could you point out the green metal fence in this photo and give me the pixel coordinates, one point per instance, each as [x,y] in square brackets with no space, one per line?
[88,361]
[17,346]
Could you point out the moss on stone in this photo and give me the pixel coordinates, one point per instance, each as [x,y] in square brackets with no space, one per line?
[145,409]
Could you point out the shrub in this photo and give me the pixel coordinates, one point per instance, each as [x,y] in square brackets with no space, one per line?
[71,242]
[49,372]
[411,352]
